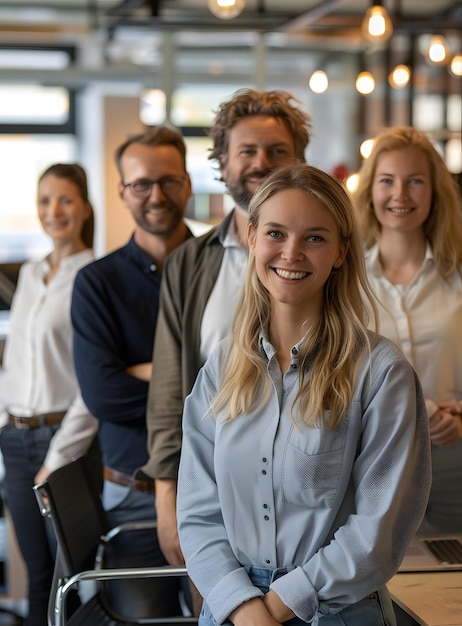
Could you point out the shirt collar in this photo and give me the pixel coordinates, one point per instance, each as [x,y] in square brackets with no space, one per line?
[268,349]
[225,232]
[372,256]
[141,259]
[71,262]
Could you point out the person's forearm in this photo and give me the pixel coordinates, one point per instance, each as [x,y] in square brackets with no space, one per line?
[252,613]
[143,371]
[167,530]
[276,607]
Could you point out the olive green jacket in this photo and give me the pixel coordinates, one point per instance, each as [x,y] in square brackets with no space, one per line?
[188,278]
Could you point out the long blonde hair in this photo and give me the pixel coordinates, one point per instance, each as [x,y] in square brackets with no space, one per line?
[329,355]
[443,229]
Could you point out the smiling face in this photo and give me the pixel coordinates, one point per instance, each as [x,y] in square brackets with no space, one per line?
[61,210]
[402,190]
[257,145]
[158,213]
[296,245]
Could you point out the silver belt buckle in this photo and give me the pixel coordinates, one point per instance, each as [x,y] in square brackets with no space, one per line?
[20,425]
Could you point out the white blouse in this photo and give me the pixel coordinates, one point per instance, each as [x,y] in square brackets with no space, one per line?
[424,319]
[38,373]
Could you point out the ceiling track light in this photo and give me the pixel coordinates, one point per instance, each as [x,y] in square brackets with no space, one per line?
[377,25]
[226,9]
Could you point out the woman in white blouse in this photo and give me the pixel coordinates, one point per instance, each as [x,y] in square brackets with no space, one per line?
[410,215]
[45,422]
[305,463]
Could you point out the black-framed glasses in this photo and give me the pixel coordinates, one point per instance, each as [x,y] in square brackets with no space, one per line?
[170,185]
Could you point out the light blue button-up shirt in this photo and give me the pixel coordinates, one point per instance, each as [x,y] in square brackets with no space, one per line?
[338,507]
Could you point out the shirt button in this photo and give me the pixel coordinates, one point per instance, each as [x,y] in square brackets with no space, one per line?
[266,517]
[263,472]
[265,506]
[294,351]
[293,366]
[153,267]
[263,459]
[268,561]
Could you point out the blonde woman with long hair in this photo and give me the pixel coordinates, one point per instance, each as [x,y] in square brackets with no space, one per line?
[410,214]
[305,460]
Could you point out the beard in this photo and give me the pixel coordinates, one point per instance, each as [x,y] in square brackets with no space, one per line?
[162,225]
[238,190]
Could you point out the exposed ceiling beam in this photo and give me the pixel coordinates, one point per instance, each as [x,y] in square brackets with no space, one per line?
[313,15]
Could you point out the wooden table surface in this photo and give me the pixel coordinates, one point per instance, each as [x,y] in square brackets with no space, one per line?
[430,598]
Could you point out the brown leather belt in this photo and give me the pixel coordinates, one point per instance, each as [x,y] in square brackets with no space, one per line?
[119,478]
[35,421]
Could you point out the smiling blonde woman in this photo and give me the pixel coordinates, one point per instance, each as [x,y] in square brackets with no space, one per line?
[304,470]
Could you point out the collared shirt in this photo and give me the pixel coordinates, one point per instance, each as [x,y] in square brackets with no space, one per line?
[114,314]
[38,370]
[221,305]
[337,508]
[424,319]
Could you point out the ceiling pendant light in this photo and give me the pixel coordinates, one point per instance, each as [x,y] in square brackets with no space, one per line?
[226,9]
[456,65]
[400,76]
[365,83]
[377,25]
[438,52]
[318,81]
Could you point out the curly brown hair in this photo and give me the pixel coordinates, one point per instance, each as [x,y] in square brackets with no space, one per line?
[245,102]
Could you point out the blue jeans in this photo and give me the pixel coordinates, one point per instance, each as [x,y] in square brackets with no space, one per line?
[375,610]
[23,454]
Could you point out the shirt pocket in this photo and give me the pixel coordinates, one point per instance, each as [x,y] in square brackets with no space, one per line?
[313,460]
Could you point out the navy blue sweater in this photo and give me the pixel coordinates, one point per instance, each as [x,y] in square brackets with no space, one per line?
[114,311]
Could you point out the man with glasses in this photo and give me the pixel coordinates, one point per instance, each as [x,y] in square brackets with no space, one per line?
[253,133]
[114,313]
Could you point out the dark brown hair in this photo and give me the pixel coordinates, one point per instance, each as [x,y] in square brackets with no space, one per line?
[155,136]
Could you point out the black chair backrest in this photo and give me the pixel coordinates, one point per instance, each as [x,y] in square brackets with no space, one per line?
[78,528]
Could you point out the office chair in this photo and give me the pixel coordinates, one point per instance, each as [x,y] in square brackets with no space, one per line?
[70,499]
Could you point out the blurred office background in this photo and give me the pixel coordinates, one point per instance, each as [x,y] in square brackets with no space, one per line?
[78,76]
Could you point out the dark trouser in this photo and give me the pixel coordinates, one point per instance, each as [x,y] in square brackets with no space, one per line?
[139,548]
[23,453]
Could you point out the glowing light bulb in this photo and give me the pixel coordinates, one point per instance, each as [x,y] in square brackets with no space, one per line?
[226,9]
[377,25]
[456,65]
[352,182]
[365,148]
[438,50]
[318,81]
[400,76]
[365,83]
